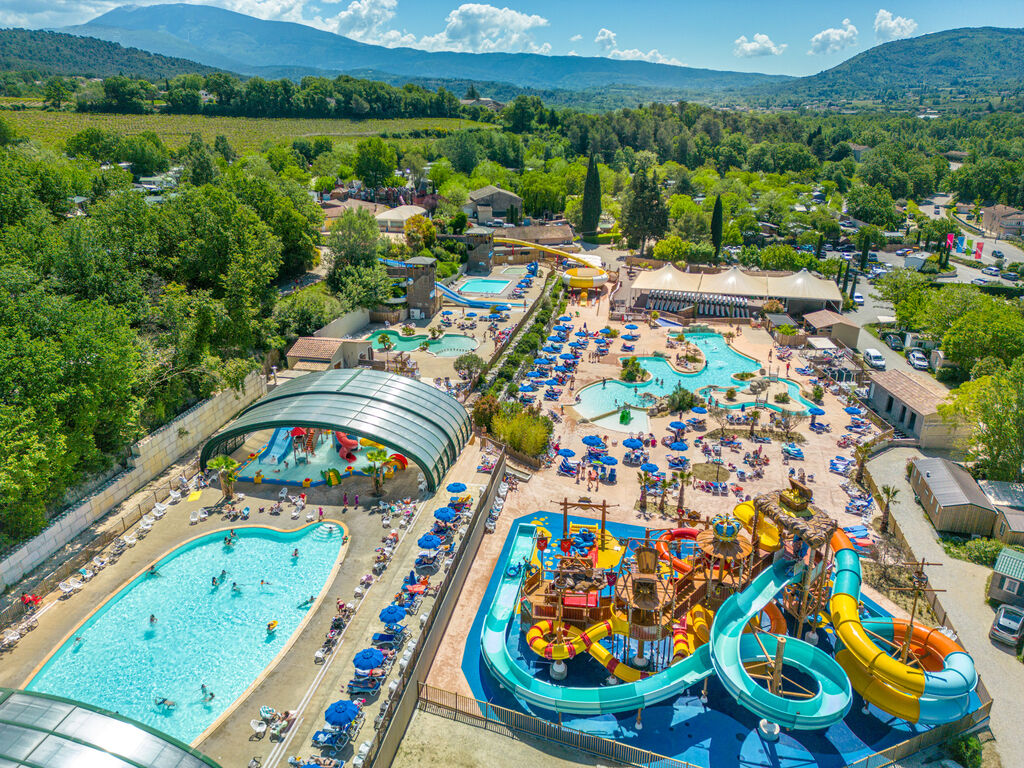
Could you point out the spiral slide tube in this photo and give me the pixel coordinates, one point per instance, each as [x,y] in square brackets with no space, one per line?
[909,692]
[589,275]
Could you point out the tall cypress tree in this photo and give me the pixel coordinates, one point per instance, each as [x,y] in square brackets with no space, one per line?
[591,199]
[716,226]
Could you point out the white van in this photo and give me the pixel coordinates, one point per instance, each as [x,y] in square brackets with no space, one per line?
[874,358]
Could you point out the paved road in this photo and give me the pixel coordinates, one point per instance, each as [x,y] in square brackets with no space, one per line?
[1010,251]
[965,602]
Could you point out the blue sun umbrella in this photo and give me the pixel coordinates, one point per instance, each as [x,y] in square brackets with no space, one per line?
[552,382]
[593,441]
[456,487]
[447,312]
[392,614]
[606,331]
[677,425]
[853,410]
[679,445]
[526,388]
[561,369]
[445,514]
[567,355]
[565,318]
[631,326]
[368,658]
[566,452]
[540,361]
[554,337]
[580,333]
[648,467]
[429,541]
[343,712]
[630,337]
[632,443]
[577,344]
[815,411]
[609,461]
[535,374]
[699,409]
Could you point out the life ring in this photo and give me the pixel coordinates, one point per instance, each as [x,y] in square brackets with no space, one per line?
[514,570]
[272,626]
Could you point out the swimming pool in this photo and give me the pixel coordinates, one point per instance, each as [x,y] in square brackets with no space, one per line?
[484,285]
[207,635]
[722,362]
[449,345]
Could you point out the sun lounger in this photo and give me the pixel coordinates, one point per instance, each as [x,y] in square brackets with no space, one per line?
[259,729]
[9,639]
[99,563]
[85,573]
[193,517]
[159,510]
[175,497]
[67,588]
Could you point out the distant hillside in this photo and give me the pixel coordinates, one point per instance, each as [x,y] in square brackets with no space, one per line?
[223,38]
[973,59]
[54,53]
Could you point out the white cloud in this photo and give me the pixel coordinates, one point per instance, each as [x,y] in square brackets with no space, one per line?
[889,27]
[482,28]
[832,40]
[761,45]
[607,41]
[575,38]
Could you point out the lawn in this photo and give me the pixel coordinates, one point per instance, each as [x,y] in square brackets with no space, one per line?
[245,134]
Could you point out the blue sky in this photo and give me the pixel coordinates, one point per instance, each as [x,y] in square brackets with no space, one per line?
[776,36]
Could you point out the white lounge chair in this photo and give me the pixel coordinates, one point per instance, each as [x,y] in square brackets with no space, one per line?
[130,540]
[99,563]
[295,513]
[175,497]
[259,729]
[85,573]
[67,588]
[75,582]
[283,494]
[159,510]
[9,639]
[310,516]
[145,525]
[203,513]
[193,517]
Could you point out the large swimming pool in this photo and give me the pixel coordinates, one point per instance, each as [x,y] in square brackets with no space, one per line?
[484,285]
[203,635]
[449,345]
[722,363]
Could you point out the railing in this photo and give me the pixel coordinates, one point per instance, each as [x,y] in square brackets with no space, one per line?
[511,723]
[398,710]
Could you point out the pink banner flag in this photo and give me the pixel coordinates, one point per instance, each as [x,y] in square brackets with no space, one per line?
[977,251]
[949,240]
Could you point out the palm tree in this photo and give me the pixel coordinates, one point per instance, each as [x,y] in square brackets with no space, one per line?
[387,344]
[861,453]
[644,479]
[888,494]
[374,469]
[227,469]
[663,486]
[683,476]
[755,417]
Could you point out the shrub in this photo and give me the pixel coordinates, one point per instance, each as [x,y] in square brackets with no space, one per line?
[818,393]
[408,330]
[631,370]
[681,399]
[966,750]
[730,393]
[744,375]
[786,330]
[781,398]
[521,429]
[981,551]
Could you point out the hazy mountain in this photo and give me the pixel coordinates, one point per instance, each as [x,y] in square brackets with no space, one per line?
[230,40]
[979,58]
[53,53]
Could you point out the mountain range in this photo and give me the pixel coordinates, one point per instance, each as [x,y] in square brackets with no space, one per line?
[251,46]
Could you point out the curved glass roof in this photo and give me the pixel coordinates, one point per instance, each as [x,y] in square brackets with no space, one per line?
[42,731]
[407,415]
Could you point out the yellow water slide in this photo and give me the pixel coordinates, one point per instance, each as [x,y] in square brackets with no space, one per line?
[766,529]
[590,275]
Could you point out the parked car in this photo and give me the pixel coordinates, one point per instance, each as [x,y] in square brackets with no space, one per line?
[993,271]
[1013,277]
[935,211]
[874,358]
[872,258]
[1008,625]
[894,342]
[998,255]
[858,299]
[917,359]
[980,281]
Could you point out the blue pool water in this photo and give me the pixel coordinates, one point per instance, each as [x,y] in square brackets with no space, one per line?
[722,363]
[483,285]
[203,634]
[449,345]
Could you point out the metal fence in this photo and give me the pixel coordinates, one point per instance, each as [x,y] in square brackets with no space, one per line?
[511,723]
[398,709]
[14,612]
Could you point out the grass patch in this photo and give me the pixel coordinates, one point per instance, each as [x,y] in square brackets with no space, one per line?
[716,473]
[246,134]
[890,581]
[980,551]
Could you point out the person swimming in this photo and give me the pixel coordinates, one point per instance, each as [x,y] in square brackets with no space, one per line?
[213,582]
[152,570]
[165,702]
[152,619]
[295,553]
[235,587]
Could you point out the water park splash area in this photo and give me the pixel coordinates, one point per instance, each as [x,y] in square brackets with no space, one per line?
[721,366]
[743,639]
[484,285]
[198,630]
[308,457]
[448,345]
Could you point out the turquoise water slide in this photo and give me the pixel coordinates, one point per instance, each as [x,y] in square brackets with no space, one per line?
[458,298]
[730,648]
[277,447]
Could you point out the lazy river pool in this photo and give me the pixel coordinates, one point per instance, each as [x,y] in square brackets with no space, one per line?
[449,345]
[203,635]
[722,362]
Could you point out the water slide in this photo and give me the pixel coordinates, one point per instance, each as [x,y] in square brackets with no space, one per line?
[591,275]
[768,533]
[731,649]
[937,693]
[278,447]
[458,298]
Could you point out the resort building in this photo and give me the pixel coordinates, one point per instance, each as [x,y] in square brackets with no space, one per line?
[317,353]
[1003,220]
[392,221]
[911,409]
[1008,500]
[952,498]
[488,202]
[835,326]
[1007,583]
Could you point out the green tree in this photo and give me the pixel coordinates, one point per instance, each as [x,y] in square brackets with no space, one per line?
[376,161]
[375,469]
[386,343]
[591,205]
[873,205]
[227,470]
[353,240]
[888,494]
[57,91]
[994,330]
[716,227]
[223,147]
[868,237]
[991,409]
[644,215]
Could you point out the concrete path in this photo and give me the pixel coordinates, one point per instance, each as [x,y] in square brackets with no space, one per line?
[965,602]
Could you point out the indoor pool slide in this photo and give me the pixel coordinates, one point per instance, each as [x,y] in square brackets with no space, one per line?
[730,648]
[938,694]
[278,447]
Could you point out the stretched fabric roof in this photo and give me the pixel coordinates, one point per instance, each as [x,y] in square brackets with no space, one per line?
[733,282]
[406,415]
[804,285]
[668,278]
